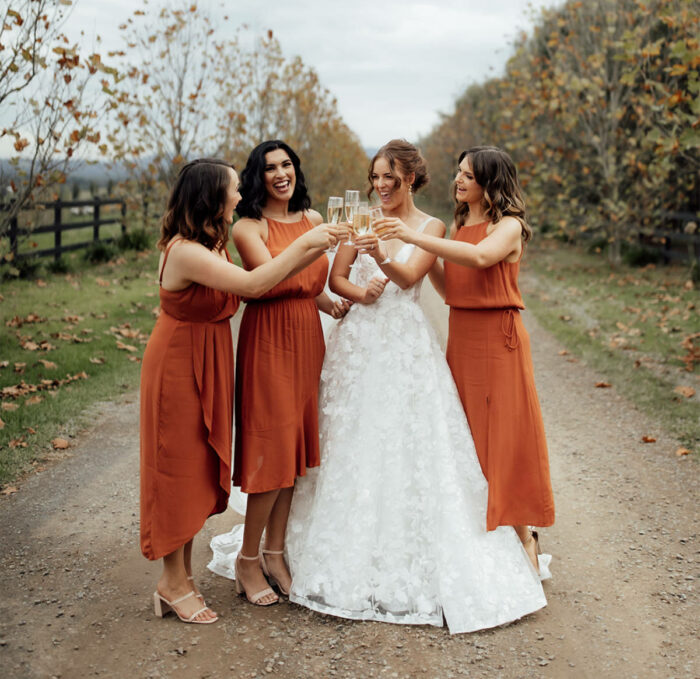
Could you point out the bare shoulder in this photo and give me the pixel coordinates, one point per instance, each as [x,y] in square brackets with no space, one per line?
[246,227]
[435,227]
[508,226]
[314,217]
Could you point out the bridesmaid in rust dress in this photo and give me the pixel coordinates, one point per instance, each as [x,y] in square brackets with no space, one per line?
[279,359]
[488,348]
[187,373]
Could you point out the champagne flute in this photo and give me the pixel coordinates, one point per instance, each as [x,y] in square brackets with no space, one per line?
[352,200]
[360,220]
[334,212]
[375,214]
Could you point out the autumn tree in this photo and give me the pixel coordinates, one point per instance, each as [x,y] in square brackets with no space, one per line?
[49,112]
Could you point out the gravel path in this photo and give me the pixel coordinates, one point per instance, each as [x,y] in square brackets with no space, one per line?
[75,594]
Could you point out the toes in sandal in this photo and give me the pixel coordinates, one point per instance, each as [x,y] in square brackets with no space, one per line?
[163,606]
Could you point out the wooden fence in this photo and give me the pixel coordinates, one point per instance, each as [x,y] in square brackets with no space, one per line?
[59,226]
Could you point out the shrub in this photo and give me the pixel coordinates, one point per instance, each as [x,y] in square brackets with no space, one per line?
[100,251]
[135,239]
[640,255]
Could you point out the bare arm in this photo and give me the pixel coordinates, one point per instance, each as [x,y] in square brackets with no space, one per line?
[502,243]
[404,274]
[437,277]
[191,262]
[339,280]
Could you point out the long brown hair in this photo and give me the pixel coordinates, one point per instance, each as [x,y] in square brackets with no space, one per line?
[495,172]
[407,157]
[196,204]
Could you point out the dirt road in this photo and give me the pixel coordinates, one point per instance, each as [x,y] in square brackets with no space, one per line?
[75,594]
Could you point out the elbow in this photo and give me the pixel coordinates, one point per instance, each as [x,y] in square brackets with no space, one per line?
[254,290]
[481,262]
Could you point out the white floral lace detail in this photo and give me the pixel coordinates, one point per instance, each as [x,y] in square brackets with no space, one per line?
[391,526]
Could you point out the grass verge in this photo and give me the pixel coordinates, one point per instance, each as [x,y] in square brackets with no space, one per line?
[66,343]
[640,328]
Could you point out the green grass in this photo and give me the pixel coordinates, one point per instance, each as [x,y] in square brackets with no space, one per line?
[629,324]
[82,316]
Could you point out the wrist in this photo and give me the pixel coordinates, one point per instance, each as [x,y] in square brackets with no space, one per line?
[385,260]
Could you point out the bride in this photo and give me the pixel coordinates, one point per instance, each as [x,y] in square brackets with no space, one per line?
[392,525]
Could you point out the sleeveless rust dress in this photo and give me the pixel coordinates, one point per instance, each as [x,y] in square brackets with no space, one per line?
[186,416]
[488,351]
[278,368]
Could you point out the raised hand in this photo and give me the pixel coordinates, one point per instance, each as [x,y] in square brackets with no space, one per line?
[340,308]
[322,236]
[393,227]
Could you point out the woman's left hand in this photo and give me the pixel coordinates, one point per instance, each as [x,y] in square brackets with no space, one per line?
[393,227]
[370,244]
[340,308]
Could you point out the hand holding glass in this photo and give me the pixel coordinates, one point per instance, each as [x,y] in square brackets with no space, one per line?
[334,212]
[352,200]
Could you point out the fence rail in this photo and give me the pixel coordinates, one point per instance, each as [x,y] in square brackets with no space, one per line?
[59,226]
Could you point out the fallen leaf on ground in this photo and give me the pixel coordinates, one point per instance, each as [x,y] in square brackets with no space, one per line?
[8,490]
[50,365]
[33,400]
[126,347]
[603,385]
[565,318]
[563,352]
[41,284]
[60,444]
[19,367]
[134,359]
[648,439]
[4,364]
[31,430]
[97,361]
[9,406]
[102,282]
[682,451]
[30,346]
[2,424]
[685,391]
[18,443]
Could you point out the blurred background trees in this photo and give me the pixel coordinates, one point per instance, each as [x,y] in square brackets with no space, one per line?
[599,107]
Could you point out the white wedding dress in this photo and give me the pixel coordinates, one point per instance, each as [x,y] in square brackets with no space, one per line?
[392,525]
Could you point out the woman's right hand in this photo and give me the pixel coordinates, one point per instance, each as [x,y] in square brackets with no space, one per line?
[322,236]
[373,290]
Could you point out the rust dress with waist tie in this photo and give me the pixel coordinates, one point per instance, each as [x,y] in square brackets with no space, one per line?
[186,415]
[488,351]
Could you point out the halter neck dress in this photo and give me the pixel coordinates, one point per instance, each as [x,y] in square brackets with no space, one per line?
[279,358]
[186,415]
[488,351]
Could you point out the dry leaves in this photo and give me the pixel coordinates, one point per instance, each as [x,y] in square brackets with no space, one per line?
[2,424]
[96,360]
[33,400]
[563,352]
[6,405]
[688,392]
[680,452]
[603,385]
[126,347]
[49,365]
[648,439]
[102,282]
[60,444]
[9,490]
[18,321]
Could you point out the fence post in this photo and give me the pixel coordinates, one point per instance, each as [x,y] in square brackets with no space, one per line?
[96,218]
[57,226]
[13,237]
[123,217]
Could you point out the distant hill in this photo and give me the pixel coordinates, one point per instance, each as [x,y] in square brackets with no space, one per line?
[82,173]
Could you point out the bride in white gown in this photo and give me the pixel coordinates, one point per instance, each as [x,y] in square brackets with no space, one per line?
[392,525]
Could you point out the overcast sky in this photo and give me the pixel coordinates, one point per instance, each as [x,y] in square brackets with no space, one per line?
[393,65]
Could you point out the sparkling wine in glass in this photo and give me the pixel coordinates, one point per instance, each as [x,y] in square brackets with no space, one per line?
[352,200]
[334,213]
[375,214]
[360,220]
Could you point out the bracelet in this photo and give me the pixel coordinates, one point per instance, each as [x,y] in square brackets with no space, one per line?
[386,260]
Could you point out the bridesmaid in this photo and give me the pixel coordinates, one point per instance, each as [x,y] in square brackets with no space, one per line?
[187,373]
[488,348]
[279,359]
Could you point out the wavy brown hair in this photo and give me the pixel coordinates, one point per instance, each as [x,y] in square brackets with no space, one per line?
[495,172]
[399,152]
[196,204]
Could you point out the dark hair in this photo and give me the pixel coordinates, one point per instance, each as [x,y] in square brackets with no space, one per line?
[196,204]
[407,157]
[253,191]
[495,172]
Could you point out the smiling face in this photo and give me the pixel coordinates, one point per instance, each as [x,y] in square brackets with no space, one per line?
[466,188]
[233,196]
[280,178]
[390,185]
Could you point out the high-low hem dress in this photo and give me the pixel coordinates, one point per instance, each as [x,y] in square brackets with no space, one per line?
[279,359]
[186,416]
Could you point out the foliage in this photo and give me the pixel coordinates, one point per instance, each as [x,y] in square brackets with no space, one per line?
[599,107]
[136,239]
[194,86]
[100,251]
[47,98]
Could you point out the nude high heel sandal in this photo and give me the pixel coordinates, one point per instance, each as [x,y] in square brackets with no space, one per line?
[273,580]
[163,606]
[253,598]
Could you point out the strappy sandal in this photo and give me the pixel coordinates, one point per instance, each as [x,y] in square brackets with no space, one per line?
[538,551]
[199,595]
[163,606]
[253,598]
[273,580]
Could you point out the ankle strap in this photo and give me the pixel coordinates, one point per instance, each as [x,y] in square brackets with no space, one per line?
[271,551]
[248,558]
